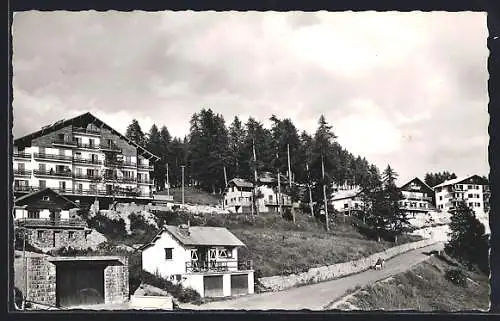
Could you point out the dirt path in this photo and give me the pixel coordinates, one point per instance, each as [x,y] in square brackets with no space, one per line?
[319,296]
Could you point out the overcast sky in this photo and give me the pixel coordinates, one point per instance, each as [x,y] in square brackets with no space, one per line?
[406,89]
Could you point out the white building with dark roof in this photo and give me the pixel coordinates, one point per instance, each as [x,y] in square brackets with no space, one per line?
[200,257]
[347,200]
[82,158]
[472,190]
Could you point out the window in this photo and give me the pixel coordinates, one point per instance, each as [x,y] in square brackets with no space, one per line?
[71,235]
[194,254]
[178,277]
[470,195]
[61,152]
[46,198]
[168,253]
[33,214]
[93,187]
[469,186]
[477,186]
[41,150]
[79,187]
[471,204]
[440,198]
[41,167]
[62,186]
[478,204]
[223,253]
[91,142]
[94,158]
[20,167]
[346,205]
[42,183]
[78,171]
[39,234]
[270,197]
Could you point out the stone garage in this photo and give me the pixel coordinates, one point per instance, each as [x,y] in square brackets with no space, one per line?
[77,281]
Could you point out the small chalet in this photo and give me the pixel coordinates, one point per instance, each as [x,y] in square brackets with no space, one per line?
[50,220]
[417,197]
[200,257]
[238,195]
[270,199]
[347,200]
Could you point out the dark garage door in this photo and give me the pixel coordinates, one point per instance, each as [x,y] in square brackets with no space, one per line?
[79,285]
[212,285]
[239,284]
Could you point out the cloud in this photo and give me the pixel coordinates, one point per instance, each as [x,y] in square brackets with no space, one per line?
[401,88]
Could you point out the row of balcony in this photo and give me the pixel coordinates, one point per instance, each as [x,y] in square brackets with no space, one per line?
[79,160]
[91,177]
[86,192]
[78,144]
[218,266]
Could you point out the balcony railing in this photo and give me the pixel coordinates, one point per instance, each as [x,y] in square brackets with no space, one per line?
[32,222]
[52,173]
[53,157]
[113,163]
[218,266]
[275,203]
[86,131]
[145,167]
[22,172]
[90,192]
[22,155]
[79,160]
[418,198]
[145,181]
[129,164]
[87,146]
[87,176]
[110,147]
[64,142]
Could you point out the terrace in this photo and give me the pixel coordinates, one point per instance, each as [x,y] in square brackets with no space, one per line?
[80,160]
[22,155]
[22,172]
[218,266]
[53,157]
[52,173]
[45,222]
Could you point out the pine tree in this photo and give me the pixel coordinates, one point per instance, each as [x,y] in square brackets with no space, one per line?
[135,133]
[153,144]
[322,156]
[236,144]
[468,241]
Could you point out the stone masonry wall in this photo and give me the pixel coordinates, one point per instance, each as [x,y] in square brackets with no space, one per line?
[41,280]
[116,287]
[324,273]
[46,241]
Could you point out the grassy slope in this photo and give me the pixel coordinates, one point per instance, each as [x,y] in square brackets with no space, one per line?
[193,196]
[282,250]
[425,288]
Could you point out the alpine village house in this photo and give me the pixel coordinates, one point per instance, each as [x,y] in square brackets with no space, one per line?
[85,160]
[201,257]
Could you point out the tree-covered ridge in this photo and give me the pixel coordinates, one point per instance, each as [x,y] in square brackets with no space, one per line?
[212,147]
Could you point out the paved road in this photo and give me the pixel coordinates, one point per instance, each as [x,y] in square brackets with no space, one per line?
[318,296]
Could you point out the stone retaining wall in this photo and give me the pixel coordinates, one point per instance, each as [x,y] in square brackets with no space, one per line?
[325,273]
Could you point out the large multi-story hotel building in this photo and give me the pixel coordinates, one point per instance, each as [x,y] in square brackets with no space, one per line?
[417,197]
[472,190]
[85,160]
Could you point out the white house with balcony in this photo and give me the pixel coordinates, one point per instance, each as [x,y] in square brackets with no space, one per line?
[200,257]
[238,195]
[472,190]
[348,199]
[417,197]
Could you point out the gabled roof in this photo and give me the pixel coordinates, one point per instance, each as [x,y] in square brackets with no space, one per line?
[240,182]
[27,199]
[455,180]
[200,235]
[271,178]
[419,181]
[80,120]
[344,194]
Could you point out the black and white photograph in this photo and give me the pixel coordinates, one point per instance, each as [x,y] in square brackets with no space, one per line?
[203,160]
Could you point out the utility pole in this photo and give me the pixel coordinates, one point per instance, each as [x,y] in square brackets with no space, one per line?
[225,176]
[279,194]
[290,180]
[254,201]
[324,193]
[182,166]
[310,192]
[168,183]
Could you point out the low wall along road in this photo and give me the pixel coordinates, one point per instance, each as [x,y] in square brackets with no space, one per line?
[330,272]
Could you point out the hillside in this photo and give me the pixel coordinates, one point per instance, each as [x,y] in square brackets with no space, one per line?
[424,288]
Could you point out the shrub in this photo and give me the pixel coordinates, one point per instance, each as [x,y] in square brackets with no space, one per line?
[18,297]
[114,229]
[457,277]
